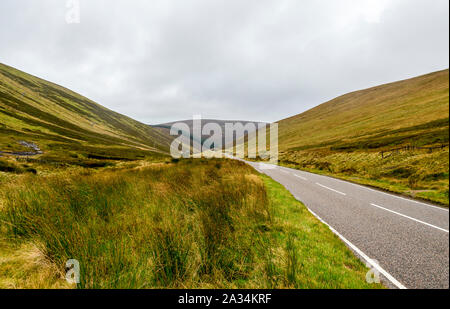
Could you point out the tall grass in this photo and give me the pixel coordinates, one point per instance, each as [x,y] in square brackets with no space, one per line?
[187,224]
[190,225]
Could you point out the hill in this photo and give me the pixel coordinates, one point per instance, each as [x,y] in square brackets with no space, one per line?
[380,116]
[165,128]
[383,136]
[58,120]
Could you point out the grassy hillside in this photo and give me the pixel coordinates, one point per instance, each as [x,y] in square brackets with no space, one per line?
[381,116]
[345,137]
[185,224]
[59,121]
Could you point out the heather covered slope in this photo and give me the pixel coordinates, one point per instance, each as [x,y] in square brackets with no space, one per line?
[54,117]
[414,111]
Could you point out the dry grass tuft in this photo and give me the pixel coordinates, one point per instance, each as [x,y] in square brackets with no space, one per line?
[26,267]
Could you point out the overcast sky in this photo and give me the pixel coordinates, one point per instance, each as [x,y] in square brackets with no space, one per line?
[261,60]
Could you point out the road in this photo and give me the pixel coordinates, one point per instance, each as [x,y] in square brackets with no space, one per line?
[409,239]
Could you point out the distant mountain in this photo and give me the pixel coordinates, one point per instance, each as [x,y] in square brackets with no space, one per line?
[53,117]
[165,128]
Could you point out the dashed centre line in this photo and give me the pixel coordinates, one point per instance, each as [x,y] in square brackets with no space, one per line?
[301,177]
[411,218]
[339,192]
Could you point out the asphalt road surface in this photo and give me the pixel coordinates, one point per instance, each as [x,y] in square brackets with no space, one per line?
[408,239]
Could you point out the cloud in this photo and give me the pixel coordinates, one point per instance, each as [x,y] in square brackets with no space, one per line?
[264,60]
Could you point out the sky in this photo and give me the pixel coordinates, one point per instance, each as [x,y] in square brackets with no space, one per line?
[261,60]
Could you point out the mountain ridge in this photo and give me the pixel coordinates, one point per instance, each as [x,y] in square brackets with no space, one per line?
[382,108]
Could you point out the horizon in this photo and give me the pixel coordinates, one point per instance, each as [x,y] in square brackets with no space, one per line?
[238,120]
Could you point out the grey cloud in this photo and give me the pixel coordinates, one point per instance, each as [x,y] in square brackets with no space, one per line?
[263,60]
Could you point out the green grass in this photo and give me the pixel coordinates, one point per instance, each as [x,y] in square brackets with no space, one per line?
[185,224]
[142,228]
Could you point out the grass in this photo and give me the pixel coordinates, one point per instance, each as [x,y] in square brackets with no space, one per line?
[180,224]
[12,167]
[24,266]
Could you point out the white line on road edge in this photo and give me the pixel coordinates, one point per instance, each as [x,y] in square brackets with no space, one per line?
[411,218]
[362,254]
[330,189]
[300,177]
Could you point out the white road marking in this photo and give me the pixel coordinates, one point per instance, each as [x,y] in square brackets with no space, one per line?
[399,197]
[385,193]
[362,255]
[370,189]
[330,189]
[411,218]
[301,177]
